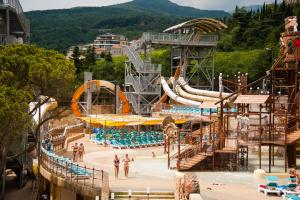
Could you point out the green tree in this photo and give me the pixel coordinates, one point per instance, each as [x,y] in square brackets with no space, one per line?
[77,61]
[90,58]
[26,74]
[108,57]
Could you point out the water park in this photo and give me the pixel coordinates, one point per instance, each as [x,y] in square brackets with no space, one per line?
[189,128]
[187,136]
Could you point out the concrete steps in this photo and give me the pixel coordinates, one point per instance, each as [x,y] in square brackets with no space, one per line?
[144,196]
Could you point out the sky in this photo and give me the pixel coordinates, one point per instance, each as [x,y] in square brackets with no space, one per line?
[227,5]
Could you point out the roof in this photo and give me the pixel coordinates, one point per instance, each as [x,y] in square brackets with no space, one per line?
[212,104]
[252,99]
[125,120]
[203,25]
[116,46]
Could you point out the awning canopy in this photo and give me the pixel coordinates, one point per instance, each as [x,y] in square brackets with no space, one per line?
[125,120]
[253,99]
[203,25]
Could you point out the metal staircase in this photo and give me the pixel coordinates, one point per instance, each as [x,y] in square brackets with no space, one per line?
[142,85]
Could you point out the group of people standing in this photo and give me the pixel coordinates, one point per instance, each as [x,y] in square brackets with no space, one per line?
[78,152]
[125,161]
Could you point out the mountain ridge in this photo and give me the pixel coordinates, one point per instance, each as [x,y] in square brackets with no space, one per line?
[61,28]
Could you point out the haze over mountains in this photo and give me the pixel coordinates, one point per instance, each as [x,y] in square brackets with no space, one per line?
[59,29]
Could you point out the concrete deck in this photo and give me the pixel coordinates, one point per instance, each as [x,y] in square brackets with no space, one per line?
[146,171]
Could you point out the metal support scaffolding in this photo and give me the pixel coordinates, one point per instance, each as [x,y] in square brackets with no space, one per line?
[142,80]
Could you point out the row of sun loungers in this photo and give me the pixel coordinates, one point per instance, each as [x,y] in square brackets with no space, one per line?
[289,191]
[117,139]
[66,166]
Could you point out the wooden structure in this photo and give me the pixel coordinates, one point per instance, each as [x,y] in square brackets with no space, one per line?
[264,119]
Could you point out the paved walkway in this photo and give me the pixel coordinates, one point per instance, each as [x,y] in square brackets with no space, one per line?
[146,171]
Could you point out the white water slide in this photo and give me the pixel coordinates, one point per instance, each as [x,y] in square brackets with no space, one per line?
[190,96]
[194,97]
[177,98]
[194,91]
[51,104]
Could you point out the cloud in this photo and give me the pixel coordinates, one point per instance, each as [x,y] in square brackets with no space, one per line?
[227,5]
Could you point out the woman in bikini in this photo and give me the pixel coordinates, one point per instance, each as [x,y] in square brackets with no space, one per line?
[117,166]
[126,162]
[81,151]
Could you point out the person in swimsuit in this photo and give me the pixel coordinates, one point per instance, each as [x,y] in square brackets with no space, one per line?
[81,151]
[126,162]
[117,166]
[293,174]
[75,150]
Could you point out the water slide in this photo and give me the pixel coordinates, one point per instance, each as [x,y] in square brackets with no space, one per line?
[194,97]
[98,83]
[51,104]
[194,91]
[175,97]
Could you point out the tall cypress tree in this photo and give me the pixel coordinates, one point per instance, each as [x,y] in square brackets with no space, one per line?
[76,58]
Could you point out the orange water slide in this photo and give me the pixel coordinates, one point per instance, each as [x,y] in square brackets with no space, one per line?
[98,83]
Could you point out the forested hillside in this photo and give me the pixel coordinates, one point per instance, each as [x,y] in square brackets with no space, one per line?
[251,39]
[60,29]
[249,44]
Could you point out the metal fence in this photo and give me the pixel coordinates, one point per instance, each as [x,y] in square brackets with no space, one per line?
[73,173]
[181,39]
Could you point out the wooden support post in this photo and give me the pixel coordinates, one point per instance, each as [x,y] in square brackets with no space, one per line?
[260,134]
[285,142]
[178,160]
[270,139]
[169,153]
[221,131]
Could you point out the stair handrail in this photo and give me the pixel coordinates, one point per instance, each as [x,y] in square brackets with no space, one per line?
[134,57]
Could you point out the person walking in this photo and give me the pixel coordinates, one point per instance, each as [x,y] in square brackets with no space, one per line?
[126,162]
[81,151]
[117,166]
[75,150]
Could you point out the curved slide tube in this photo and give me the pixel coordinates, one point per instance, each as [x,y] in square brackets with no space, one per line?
[194,97]
[175,97]
[191,90]
[98,83]
[51,104]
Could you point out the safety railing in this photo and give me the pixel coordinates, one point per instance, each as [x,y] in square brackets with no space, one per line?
[71,172]
[149,67]
[134,57]
[180,39]
[16,6]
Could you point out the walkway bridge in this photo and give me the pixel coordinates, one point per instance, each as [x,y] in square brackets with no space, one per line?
[180,39]
[14,26]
